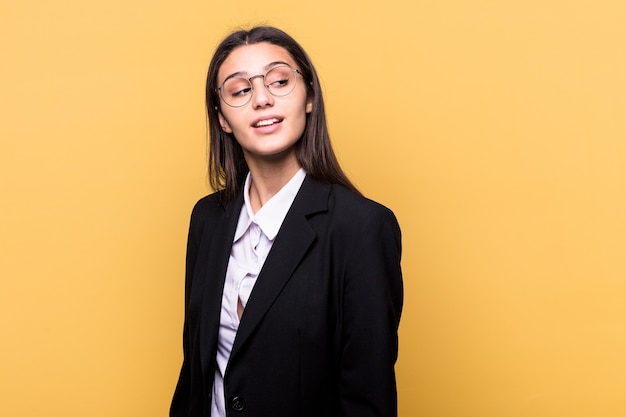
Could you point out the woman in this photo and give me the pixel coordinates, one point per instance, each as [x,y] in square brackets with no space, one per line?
[293,280]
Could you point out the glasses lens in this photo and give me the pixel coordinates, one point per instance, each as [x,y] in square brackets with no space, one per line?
[236,91]
[280,81]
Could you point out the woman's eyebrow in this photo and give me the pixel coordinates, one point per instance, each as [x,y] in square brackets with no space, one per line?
[235,74]
[273,64]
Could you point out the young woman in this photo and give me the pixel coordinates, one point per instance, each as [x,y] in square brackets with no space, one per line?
[293,280]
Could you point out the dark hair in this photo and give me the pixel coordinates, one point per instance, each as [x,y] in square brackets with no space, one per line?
[227,166]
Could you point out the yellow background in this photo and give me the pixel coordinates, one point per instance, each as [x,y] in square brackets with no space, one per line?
[496,130]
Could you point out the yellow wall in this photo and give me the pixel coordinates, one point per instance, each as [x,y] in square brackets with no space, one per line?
[495,129]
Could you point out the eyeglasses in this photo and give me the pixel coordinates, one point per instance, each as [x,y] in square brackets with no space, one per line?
[279,81]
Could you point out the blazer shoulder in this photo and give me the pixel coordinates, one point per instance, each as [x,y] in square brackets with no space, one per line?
[357,207]
[207,212]
[207,205]
[354,215]
[212,199]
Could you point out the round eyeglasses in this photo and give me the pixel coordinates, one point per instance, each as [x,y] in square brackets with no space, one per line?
[279,81]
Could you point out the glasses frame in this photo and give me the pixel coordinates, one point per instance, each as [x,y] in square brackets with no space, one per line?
[267,87]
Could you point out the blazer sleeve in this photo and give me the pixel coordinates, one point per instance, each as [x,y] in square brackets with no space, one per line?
[372,304]
[181,401]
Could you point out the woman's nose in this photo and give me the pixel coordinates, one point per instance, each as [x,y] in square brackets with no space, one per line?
[260,96]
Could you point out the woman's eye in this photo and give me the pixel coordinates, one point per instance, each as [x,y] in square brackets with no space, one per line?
[241,92]
[279,83]
[237,87]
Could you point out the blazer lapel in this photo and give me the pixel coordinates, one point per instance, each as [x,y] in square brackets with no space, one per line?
[221,241]
[291,244]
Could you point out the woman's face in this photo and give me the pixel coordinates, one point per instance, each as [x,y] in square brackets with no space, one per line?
[267,127]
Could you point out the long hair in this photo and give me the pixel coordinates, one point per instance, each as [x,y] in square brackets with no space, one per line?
[227,166]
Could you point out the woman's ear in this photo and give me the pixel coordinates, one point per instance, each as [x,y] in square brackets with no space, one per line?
[224,123]
[309,104]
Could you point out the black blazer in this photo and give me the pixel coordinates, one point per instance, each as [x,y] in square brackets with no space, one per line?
[318,337]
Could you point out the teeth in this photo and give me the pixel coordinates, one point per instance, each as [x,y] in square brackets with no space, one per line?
[267,122]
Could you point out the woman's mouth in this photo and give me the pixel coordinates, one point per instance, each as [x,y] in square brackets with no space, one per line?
[267,122]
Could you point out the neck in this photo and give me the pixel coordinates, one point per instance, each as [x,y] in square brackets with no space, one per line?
[268,179]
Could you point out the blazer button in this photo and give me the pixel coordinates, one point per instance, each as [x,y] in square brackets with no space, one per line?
[237,404]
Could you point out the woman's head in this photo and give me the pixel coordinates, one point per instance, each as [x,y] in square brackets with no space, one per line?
[227,165]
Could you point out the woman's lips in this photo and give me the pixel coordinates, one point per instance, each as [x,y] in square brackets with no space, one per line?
[267,122]
[267,125]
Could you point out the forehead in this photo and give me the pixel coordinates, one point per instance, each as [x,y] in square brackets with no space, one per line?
[253,59]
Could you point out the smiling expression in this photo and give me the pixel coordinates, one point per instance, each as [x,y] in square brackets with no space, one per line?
[267,127]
